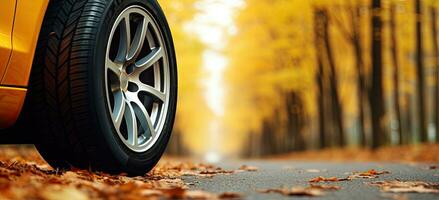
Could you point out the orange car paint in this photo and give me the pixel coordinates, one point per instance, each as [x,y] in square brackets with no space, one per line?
[11,101]
[17,53]
[27,24]
[7,10]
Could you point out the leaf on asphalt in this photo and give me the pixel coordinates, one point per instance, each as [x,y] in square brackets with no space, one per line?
[230,195]
[395,196]
[433,167]
[295,191]
[330,179]
[367,174]
[311,190]
[325,187]
[248,168]
[180,193]
[177,169]
[398,186]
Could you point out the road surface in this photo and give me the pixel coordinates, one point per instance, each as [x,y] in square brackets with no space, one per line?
[278,174]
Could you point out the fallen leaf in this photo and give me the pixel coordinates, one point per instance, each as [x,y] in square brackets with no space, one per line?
[433,167]
[398,186]
[248,168]
[367,174]
[295,191]
[330,179]
[198,194]
[54,193]
[325,187]
[395,196]
[230,195]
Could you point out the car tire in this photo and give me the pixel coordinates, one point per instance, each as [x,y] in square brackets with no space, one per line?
[91,60]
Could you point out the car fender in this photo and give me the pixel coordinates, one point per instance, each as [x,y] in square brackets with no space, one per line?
[29,15]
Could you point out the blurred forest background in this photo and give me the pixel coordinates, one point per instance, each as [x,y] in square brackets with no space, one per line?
[266,77]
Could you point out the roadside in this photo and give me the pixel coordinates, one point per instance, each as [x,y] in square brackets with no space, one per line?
[428,153]
[24,175]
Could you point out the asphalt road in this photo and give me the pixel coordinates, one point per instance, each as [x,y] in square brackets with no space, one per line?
[278,174]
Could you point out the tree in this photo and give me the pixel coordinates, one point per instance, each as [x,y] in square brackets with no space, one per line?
[379,136]
[318,26]
[396,67]
[433,13]
[295,120]
[327,69]
[352,30]
[420,73]
[333,82]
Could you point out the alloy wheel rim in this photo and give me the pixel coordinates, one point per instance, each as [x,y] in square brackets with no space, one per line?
[137,78]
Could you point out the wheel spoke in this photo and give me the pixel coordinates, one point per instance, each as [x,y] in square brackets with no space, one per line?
[141,112]
[119,109]
[150,59]
[139,39]
[131,120]
[158,95]
[125,38]
[114,67]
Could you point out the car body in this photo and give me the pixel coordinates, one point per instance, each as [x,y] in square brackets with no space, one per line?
[19,31]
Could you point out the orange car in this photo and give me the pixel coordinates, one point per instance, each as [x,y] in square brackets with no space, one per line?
[93,82]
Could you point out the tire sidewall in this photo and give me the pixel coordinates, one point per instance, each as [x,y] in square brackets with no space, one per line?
[135,163]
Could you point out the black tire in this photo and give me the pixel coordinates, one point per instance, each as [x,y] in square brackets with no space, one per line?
[65,108]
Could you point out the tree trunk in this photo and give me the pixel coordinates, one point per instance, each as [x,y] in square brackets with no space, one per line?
[408,120]
[433,13]
[379,136]
[361,91]
[333,81]
[420,73]
[394,49]
[318,24]
[295,115]
[359,63]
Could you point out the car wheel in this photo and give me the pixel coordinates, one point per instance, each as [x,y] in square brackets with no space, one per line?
[103,87]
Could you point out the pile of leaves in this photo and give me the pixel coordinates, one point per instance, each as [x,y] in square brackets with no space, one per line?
[24,175]
[177,169]
[20,180]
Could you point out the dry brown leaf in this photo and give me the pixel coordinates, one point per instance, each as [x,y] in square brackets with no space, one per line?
[372,173]
[330,179]
[433,167]
[54,193]
[397,186]
[230,195]
[198,194]
[311,190]
[325,187]
[295,191]
[248,168]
